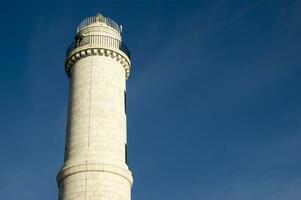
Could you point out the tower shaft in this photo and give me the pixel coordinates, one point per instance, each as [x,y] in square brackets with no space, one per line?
[95,152]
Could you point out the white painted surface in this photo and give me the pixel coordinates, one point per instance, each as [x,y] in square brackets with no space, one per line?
[95,166]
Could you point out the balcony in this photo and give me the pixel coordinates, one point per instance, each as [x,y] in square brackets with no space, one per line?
[101,40]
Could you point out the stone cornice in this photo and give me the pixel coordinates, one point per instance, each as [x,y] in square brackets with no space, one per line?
[80,168]
[97,50]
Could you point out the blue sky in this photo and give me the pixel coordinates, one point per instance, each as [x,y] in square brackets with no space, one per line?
[214,100]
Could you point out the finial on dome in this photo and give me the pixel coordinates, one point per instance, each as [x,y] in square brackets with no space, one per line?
[99,17]
[98,14]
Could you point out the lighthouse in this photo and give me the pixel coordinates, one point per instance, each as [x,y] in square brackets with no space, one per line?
[95,162]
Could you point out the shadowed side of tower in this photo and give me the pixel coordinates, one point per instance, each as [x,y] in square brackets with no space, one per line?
[98,64]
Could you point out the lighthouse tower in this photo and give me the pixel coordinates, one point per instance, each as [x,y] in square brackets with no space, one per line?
[97,64]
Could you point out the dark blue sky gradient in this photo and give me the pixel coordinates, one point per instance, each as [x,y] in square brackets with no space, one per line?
[214,100]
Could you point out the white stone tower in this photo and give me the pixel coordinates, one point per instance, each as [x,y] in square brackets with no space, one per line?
[98,64]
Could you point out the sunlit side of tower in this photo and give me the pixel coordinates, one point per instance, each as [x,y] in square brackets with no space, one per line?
[95,165]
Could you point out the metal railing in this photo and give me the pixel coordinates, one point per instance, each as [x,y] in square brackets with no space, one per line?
[98,18]
[102,40]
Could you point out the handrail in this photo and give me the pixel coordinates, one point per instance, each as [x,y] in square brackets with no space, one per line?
[99,18]
[102,40]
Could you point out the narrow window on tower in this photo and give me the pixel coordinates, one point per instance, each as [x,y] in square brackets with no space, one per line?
[126,153]
[124,101]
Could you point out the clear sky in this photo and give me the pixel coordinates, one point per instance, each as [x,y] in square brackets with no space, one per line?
[214,100]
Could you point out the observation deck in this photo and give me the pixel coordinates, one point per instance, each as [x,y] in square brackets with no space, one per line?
[102,40]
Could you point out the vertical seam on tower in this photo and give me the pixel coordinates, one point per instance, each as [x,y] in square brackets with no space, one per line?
[90,99]
[86,180]
[89,132]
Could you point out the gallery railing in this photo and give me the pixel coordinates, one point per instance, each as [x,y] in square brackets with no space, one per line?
[102,40]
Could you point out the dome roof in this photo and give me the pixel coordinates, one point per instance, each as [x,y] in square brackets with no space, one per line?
[99,19]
